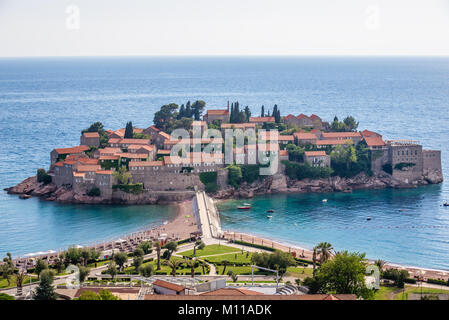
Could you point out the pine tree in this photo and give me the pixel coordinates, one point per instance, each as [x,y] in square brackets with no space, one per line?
[45,290]
[129,130]
[182,112]
[247,113]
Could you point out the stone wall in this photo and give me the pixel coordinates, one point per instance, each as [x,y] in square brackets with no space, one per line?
[378,159]
[431,160]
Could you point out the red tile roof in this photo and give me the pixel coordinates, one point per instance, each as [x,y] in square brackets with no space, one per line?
[261,119]
[218,112]
[368,133]
[331,142]
[104,172]
[232,292]
[238,125]
[132,155]
[168,285]
[336,135]
[315,117]
[91,135]
[77,149]
[315,153]
[165,135]
[304,136]
[302,115]
[108,157]
[145,164]
[374,142]
[162,151]
[289,117]
[154,128]
[283,153]
[286,137]
[88,168]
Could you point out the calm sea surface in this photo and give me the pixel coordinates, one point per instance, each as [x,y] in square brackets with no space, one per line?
[45,103]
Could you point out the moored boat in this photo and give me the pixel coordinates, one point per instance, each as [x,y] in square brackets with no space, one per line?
[243,207]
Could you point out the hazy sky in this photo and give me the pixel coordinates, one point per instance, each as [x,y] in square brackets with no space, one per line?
[226,27]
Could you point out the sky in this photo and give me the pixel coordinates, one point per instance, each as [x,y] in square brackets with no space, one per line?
[226,27]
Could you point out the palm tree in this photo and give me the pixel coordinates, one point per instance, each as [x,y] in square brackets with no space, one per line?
[20,279]
[380,264]
[314,261]
[203,265]
[158,247]
[173,264]
[198,244]
[191,264]
[324,249]
[225,264]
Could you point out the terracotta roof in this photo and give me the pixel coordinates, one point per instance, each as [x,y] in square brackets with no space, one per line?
[368,133]
[304,136]
[132,155]
[87,161]
[374,141]
[145,164]
[232,292]
[104,172]
[335,135]
[238,125]
[154,128]
[218,112]
[330,142]
[88,168]
[137,130]
[109,150]
[302,115]
[77,149]
[59,164]
[268,135]
[285,137]
[315,117]
[162,151]
[283,153]
[289,117]
[139,146]
[108,157]
[135,141]
[261,119]
[163,134]
[91,135]
[314,153]
[168,285]
[79,174]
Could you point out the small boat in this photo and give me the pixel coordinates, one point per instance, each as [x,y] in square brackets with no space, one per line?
[247,204]
[270,211]
[244,207]
[368,219]
[446,204]
[269,217]
[324,200]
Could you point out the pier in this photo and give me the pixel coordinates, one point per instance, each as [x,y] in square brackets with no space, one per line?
[206,215]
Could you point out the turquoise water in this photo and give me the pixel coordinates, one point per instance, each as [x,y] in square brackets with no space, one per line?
[410,227]
[46,102]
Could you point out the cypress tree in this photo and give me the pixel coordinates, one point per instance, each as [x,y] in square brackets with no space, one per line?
[129,130]
[247,113]
[188,112]
[262,113]
[182,112]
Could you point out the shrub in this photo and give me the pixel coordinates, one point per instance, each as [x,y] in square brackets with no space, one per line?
[254,245]
[43,176]
[94,192]
[209,179]
[402,165]
[298,171]
[387,168]
[437,281]
[234,175]
[136,188]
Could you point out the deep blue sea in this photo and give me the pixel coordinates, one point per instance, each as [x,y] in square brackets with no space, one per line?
[46,102]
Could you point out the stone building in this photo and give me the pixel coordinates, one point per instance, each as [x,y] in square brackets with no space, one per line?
[302,138]
[261,120]
[125,143]
[317,158]
[151,131]
[91,139]
[406,160]
[62,153]
[159,139]
[356,137]
[217,115]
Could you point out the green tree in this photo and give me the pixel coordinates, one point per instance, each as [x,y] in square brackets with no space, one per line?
[165,117]
[345,274]
[129,130]
[138,252]
[20,279]
[43,176]
[171,247]
[173,264]
[324,249]
[198,108]
[350,123]
[101,295]
[83,273]
[192,264]
[40,266]
[200,245]
[225,264]
[262,111]
[182,112]
[158,247]
[380,264]
[234,175]
[146,270]
[145,246]
[120,259]
[123,176]
[247,113]
[59,264]
[7,268]
[45,290]
[137,262]
[112,269]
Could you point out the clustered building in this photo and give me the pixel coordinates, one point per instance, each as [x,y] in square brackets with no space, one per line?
[149,162]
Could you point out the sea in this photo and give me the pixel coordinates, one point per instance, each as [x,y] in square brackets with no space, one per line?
[46,102]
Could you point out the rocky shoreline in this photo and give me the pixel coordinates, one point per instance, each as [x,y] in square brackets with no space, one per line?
[278,183]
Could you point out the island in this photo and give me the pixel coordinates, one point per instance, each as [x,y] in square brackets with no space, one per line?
[137,165]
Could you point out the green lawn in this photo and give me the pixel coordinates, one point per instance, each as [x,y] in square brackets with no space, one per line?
[4,283]
[385,292]
[410,289]
[241,270]
[210,250]
[300,271]
[99,263]
[232,258]
[167,269]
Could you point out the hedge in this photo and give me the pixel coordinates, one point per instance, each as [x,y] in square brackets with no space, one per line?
[254,245]
[437,281]
[136,188]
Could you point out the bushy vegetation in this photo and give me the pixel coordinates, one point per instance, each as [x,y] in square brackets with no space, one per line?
[387,168]
[234,175]
[348,124]
[278,260]
[98,127]
[348,161]
[209,179]
[94,192]
[134,188]
[43,176]
[402,165]
[398,276]
[299,171]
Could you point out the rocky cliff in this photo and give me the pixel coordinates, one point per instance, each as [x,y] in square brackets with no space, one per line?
[278,183]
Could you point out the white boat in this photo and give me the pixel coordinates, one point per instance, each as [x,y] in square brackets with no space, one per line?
[324,200]
[269,217]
